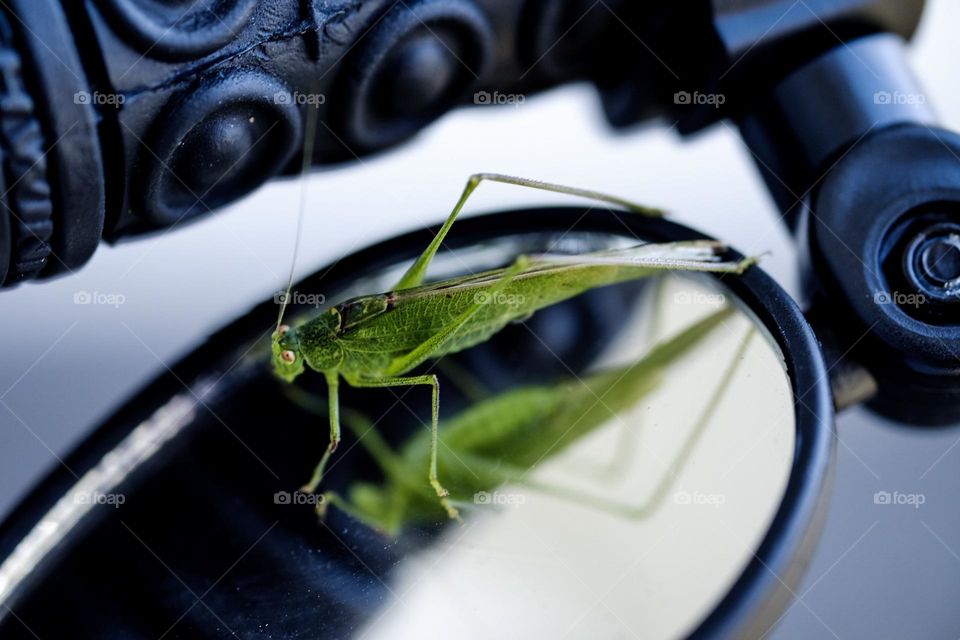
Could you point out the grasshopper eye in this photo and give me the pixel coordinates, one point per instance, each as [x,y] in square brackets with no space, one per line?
[282,329]
[288,356]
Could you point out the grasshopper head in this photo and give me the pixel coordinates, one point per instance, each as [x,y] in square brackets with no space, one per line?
[287,358]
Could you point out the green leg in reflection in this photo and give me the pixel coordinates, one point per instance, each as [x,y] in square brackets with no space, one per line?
[462,379]
[626,447]
[333,498]
[518,476]
[404,497]
[430,380]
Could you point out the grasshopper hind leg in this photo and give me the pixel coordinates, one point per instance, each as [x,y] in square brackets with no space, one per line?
[415,275]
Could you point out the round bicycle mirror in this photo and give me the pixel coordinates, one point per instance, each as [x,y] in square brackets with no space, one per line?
[644,459]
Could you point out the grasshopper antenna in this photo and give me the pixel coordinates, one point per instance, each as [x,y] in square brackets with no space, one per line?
[309,135]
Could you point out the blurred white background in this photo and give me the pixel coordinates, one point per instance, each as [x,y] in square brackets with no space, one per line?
[880,572]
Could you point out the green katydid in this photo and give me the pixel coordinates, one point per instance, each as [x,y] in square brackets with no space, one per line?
[376,340]
[499,440]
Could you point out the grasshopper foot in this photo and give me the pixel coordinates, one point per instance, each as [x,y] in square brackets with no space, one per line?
[441,492]
[321,507]
[309,488]
[452,511]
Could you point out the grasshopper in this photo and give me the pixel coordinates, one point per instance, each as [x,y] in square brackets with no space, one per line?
[499,440]
[376,340]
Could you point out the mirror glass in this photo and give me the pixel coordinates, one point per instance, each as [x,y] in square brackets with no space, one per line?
[634,526]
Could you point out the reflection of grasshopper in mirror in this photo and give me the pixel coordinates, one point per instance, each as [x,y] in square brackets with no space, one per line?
[501,440]
[375,340]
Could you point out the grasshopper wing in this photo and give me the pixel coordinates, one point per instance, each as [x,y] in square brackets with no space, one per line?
[695,255]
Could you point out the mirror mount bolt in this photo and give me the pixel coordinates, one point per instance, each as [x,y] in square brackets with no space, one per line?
[931,262]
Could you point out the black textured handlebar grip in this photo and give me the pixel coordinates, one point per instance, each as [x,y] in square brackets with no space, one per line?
[125,116]
[26,189]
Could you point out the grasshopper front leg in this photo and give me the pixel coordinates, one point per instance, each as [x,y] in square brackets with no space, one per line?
[510,474]
[333,384]
[407,381]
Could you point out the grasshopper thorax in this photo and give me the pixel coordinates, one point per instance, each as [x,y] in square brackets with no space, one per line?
[316,343]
